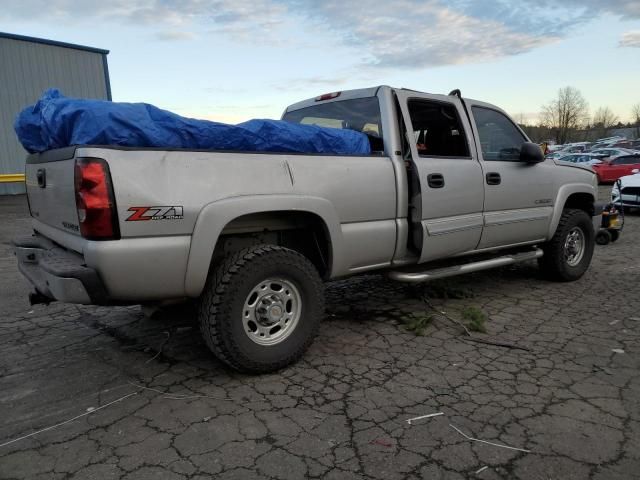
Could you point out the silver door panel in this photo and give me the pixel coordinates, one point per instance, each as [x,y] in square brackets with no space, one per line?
[452,243]
[513,209]
[450,216]
[442,226]
[513,216]
[514,226]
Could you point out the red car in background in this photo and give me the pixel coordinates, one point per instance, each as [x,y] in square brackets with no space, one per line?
[612,169]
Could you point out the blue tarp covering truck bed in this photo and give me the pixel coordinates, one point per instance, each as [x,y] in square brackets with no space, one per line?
[56,121]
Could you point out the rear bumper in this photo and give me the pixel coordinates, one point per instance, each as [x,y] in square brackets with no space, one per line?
[58,274]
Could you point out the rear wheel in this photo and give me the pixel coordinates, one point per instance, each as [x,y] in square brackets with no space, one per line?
[261,308]
[568,254]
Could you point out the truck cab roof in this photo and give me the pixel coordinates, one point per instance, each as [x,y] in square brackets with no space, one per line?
[367,92]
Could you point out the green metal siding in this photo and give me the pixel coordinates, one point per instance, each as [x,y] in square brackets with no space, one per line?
[27,68]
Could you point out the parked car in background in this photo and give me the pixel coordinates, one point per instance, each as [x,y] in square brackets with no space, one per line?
[622,144]
[577,147]
[551,148]
[616,167]
[614,152]
[555,155]
[607,142]
[626,192]
[583,158]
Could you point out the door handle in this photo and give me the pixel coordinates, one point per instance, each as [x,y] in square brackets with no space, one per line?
[493,178]
[41,177]
[435,180]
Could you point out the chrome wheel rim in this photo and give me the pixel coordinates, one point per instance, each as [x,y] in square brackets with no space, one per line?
[574,246]
[271,311]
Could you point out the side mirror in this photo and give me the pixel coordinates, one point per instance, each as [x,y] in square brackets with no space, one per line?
[531,153]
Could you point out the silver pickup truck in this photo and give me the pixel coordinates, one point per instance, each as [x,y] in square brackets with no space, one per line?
[452,186]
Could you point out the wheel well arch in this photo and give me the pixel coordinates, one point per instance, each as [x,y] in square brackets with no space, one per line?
[242,217]
[581,201]
[302,231]
[578,196]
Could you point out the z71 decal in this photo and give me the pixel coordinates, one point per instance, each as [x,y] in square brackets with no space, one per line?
[155,213]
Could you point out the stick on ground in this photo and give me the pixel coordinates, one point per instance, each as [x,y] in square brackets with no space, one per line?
[424,416]
[90,412]
[488,443]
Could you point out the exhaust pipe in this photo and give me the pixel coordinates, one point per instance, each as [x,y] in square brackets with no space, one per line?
[36,298]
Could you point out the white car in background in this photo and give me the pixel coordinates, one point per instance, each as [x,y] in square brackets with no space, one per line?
[614,152]
[626,191]
[582,158]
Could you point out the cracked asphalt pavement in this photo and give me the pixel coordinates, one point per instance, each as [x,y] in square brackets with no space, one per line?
[148,400]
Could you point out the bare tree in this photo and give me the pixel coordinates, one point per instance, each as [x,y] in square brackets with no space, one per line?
[603,120]
[635,117]
[566,113]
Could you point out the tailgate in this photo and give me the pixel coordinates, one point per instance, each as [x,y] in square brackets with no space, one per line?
[51,189]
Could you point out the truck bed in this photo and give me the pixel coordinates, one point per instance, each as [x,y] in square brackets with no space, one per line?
[184,196]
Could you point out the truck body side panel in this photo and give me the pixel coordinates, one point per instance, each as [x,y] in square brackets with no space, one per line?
[210,189]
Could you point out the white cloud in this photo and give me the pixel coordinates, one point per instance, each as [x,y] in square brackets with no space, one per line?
[624,8]
[174,35]
[407,34]
[312,82]
[630,39]
[393,33]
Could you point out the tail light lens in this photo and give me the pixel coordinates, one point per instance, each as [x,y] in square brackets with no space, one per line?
[95,201]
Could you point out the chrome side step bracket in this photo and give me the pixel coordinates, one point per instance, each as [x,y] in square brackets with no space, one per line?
[437,273]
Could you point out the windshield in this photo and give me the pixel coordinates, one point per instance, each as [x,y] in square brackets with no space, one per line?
[359,114]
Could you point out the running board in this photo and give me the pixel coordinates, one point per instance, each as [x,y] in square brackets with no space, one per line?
[436,273]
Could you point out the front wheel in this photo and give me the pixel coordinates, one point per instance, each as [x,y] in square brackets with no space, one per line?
[568,254]
[261,308]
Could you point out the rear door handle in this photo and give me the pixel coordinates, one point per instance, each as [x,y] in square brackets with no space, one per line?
[435,180]
[41,177]
[493,178]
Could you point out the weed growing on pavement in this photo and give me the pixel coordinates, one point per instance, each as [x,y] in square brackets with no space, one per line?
[475,319]
[417,323]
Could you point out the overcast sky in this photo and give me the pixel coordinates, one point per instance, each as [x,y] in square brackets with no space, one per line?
[231,60]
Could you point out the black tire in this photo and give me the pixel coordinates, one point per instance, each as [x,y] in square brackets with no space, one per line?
[603,237]
[553,263]
[222,306]
[615,235]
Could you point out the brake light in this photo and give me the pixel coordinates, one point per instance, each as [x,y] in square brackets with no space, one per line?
[95,201]
[328,96]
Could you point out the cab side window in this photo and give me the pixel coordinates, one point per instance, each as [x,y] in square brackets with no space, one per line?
[499,137]
[437,130]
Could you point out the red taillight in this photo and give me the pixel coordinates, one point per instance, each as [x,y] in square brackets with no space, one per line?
[94,200]
[328,96]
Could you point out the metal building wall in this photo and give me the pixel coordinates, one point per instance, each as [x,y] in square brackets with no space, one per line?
[30,66]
